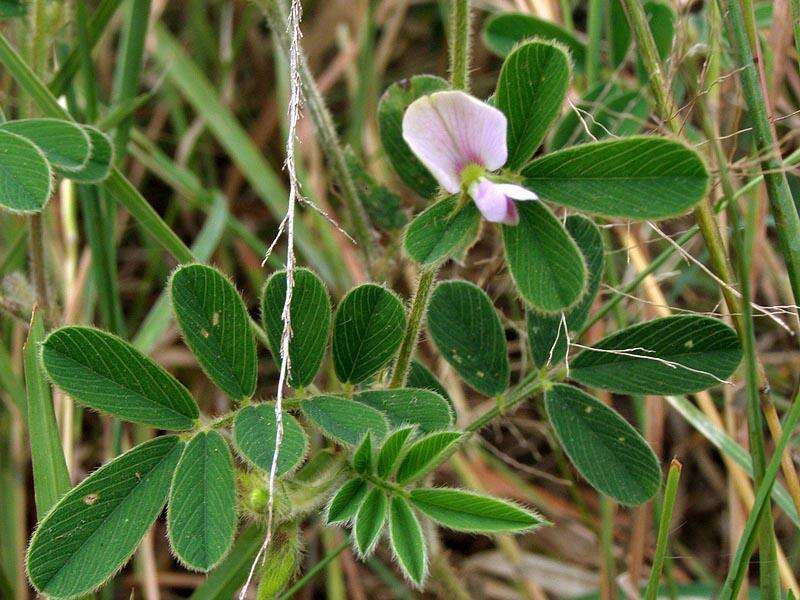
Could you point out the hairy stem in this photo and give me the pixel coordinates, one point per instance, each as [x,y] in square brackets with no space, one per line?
[460,44]
[418,307]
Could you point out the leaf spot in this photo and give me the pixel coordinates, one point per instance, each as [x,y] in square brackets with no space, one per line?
[90,499]
[215,318]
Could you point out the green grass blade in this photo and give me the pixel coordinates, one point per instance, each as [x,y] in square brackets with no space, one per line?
[70,65]
[50,475]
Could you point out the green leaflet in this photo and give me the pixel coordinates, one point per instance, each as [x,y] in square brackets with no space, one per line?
[467,332]
[383,206]
[345,503]
[614,112]
[408,543]
[392,107]
[531,89]
[101,158]
[102,371]
[391,450]
[467,511]
[422,408]
[367,331]
[311,318]
[93,530]
[362,457]
[438,232]
[65,145]
[344,420]
[546,333]
[216,326]
[201,515]
[369,521]
[425,455]
[25,175]
[603,446]
[420,377]
[254,431]
[545,263]
[674,355]
[50,475]
[634,178]
[503,31]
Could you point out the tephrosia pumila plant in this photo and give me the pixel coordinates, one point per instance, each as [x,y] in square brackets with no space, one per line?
[483,253]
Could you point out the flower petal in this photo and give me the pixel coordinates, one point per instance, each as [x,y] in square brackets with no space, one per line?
[517,192]
[450,130]
[490,200]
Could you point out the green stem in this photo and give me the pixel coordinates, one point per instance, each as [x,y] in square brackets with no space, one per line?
[460,44]
[418,307]
[787,221]
[662,542]
[595,34]
[768,559]
[328,138]
[38,270]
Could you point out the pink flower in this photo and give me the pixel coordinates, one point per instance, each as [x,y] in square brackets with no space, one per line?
[460,140]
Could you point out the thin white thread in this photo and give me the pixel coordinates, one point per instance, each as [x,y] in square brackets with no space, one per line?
[689,258]
[669,363]
[287,224]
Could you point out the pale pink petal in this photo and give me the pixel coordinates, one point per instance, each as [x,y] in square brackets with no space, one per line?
[517,192]
[450,130]
[512,214]
[492,203]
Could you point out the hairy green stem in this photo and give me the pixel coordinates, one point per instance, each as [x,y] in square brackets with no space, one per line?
[662,542]
[417,314]
[460,31]
[328,138]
